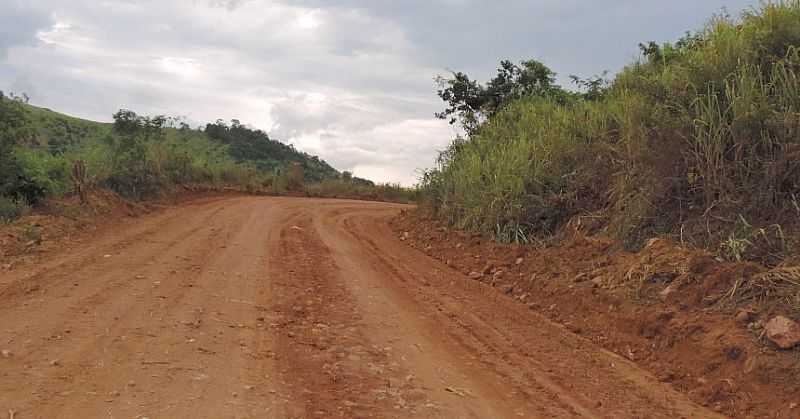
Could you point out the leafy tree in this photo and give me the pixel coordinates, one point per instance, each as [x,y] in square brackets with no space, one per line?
[464,98]
[669,52]
[594,88]
[530,78]
[15,127]
[132,173]
[133,127]
[471,103]
[12,120]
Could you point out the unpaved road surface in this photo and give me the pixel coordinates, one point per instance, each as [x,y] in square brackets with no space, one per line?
[291,308]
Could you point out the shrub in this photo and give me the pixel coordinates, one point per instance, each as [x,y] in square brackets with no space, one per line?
[11,209]
[48,173]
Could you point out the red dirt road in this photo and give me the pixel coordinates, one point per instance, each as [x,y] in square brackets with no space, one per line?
[291,308]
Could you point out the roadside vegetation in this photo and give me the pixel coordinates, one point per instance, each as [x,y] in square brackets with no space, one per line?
[44,154]
[698,140]
[348,186]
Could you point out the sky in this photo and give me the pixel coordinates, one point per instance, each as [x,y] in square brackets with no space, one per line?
[349,80]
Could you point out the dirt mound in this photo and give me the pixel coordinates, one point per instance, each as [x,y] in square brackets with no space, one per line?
[693,321]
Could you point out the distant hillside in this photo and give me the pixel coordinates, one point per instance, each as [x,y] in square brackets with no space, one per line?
[57,133]
[251,146]
[45,154]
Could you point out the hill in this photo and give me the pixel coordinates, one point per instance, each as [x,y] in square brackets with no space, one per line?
[46,154]
[49,153]
[58,133]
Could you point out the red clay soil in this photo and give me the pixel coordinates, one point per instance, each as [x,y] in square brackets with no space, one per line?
[663,308]
[63,222]
[299,308]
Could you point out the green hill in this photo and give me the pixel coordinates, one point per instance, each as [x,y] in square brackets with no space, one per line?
[59,132]
[141,156]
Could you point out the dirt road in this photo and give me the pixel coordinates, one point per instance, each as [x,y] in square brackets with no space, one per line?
[291,308]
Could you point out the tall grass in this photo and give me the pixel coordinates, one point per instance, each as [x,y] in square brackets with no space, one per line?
[709,124]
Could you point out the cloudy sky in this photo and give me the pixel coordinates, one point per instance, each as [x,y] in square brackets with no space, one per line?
[349,80]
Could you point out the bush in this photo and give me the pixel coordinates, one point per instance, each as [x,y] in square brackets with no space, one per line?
[11,209]
[49,173]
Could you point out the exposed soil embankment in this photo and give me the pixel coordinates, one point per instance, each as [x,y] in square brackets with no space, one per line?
[679,313]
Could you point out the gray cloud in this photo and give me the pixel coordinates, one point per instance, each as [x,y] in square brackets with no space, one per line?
[19,24]
[349,80]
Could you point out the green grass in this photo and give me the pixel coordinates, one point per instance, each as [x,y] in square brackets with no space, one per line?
[705,127]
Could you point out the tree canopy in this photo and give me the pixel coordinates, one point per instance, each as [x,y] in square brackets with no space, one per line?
[469,102]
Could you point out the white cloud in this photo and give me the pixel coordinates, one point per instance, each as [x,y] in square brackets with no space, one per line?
[391,152]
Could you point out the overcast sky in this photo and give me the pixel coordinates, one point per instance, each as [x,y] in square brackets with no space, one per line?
[349,80]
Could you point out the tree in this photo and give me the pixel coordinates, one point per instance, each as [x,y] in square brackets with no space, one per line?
[133,127]
[595,88]
[464,98]
[134,174]
[14,128]
[470,103]
[530,78]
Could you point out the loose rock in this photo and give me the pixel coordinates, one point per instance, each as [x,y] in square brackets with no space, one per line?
[783,332]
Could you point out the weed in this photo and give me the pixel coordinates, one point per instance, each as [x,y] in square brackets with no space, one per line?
[32,234]
[11,209]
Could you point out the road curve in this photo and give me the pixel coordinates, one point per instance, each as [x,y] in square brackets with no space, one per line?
[291,308]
